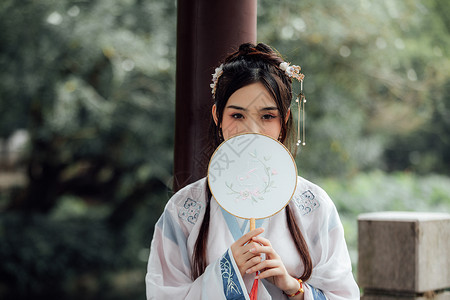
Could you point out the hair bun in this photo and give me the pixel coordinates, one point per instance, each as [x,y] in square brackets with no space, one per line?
[264,48]
[246,48]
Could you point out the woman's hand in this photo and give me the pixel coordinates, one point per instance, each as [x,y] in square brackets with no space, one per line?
[241,251]
[272,268]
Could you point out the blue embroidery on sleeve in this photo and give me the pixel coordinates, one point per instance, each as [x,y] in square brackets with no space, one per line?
[231,286]
[190,211]
[306,202]
[318,294]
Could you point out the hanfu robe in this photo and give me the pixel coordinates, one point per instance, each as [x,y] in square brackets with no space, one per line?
[169,266]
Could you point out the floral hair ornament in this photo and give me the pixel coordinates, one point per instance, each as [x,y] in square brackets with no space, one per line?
[294,72]
[218,72]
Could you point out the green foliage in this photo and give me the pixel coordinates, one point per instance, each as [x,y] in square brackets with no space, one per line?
[38,252]
[74,253]
[93,83]
[375,73]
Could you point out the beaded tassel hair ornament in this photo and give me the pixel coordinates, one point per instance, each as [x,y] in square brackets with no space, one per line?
[292,72]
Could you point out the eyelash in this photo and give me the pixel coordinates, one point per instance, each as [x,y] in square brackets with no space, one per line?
[264,117]
[268,117]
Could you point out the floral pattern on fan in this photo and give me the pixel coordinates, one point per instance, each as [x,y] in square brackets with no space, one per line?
[255,182]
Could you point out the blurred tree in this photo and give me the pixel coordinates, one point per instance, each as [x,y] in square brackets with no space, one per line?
[426,149]
[375,73]
[93,83]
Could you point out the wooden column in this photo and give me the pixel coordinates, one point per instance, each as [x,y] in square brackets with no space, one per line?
[206,32]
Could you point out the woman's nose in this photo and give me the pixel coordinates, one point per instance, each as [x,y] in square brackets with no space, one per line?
[254,127]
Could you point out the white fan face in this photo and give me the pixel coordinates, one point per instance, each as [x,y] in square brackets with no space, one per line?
[252,176]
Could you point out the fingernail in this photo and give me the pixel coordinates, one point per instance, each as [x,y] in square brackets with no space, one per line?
[251,250]
[248,271]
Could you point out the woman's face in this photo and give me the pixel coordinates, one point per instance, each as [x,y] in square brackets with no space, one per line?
[250,109]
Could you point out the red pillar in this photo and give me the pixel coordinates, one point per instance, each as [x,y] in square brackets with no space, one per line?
[207,30]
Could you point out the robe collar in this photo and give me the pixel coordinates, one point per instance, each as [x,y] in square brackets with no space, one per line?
[233,225]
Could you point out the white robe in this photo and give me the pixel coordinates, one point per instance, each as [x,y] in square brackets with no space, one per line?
[169,267]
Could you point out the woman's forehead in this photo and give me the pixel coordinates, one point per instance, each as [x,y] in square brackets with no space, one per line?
[254,95]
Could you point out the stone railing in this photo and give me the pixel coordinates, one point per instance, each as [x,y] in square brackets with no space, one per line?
[404,255]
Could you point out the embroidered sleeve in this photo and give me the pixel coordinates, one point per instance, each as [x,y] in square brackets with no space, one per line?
[231,285]
[190,210]
[306,202]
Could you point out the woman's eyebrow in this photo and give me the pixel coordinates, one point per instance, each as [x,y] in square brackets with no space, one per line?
[245,109]
[236,107]
[269,108]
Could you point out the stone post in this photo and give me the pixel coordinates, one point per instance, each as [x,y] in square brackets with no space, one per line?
[404,255]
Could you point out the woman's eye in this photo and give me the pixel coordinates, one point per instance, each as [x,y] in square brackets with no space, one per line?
[268,117]
[237,116]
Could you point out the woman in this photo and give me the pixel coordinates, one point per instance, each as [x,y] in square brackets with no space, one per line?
[199,251]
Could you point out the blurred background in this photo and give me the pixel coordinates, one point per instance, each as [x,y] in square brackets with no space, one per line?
[87,97]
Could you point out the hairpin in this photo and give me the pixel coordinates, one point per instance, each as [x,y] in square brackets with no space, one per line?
[294,72]
[301,100]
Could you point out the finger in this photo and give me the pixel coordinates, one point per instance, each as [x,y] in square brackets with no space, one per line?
[266,264]
[249,235]
[245,250]
[262,241]
[251,263]
[270,273]
[238,248]
[267,250]
[251,247]
[242,254]
[245,257]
